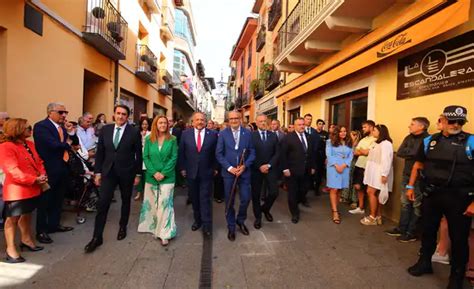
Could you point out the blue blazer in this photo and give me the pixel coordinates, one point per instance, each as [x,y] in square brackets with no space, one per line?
[50,148]
[197,164]
[227,155]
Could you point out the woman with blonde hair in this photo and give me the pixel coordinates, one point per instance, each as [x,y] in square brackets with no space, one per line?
[159,155]
[25,178]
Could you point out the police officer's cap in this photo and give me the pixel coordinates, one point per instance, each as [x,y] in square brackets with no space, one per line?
[455,112]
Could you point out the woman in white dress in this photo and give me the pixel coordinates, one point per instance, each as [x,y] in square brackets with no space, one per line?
[378,174]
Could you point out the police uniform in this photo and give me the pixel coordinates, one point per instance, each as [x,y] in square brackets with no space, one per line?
[447,183]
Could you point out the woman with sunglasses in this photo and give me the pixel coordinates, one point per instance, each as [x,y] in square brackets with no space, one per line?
[24,178]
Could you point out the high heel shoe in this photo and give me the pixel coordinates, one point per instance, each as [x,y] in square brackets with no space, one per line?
[31,249]
[336,220]
[12,260]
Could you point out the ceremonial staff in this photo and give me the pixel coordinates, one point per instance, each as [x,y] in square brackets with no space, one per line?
[234,185]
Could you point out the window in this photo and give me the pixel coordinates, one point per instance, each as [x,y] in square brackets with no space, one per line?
[182,28]
[349,110]
[293,114]
[250,55]
[242,65]
[180,66]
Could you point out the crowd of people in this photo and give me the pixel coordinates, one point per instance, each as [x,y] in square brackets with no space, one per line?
[249,160]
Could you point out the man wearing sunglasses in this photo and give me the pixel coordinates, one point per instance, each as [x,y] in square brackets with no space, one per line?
[52,144]
[447,183]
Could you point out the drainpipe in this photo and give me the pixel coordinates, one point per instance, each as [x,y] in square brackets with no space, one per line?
[116,83]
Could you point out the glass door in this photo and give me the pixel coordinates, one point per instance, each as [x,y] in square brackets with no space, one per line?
[349,110]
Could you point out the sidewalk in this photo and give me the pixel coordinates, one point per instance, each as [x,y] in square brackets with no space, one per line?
[315,253]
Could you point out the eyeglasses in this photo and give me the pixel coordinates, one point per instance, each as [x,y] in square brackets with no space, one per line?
[458,121]
[61,111]
[29,128]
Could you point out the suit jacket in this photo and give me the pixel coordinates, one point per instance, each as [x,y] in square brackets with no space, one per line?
[227,155]
[267,152]
[318,145]
[293,156]
[50,148]
[160,160]
[21,171]
[196,163]
[126,159]
[280,135]
[176,131]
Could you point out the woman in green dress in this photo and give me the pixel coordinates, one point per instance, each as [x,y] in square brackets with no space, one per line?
[159,155]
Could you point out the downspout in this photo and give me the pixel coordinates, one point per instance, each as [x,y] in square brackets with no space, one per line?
[116,83]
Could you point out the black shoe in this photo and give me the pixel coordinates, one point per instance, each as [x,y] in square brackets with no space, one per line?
[31,249]
[306,204]
[295,219]
[420,268]
[231,235]
[44,238]
[456,279]
[122,233]
[12,260]
[92,245]
[188,201]
[395,232]
[243,229]
[257,224]
[196,226]
[405,238]
[61,229]
[268,216]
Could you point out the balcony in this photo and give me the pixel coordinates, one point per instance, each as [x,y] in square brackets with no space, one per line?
[316,29]
[274,14]
[245,100]
[165,81]
[105,29]
[273,81]
[233,72]
[167,24]
[146,64]
[261,37]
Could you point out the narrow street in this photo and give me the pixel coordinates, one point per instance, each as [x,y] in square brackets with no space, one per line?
[315,253]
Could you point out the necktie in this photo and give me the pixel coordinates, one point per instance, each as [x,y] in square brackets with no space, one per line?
[305,147]
[199,141]
[236,138]
[308,130]
[117,137]
[264,138]
[61,138]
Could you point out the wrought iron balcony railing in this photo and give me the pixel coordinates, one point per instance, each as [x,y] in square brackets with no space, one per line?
[165,82]
[261,37]
[233,72]
[274,14]
[146,64]
[106,29]
[304,13]
[245,99]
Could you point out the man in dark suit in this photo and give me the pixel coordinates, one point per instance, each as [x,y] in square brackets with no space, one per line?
[276,128]
[317,145]
[264,169]
[321,157]
[197,163]
[118,162]
[175,130]
[298,165]
[52,144]
[231,142]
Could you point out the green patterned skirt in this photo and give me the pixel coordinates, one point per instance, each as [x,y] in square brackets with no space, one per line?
[157,213]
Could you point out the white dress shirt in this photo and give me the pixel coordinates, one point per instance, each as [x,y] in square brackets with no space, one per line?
[203,134]
[87,136]
[122,129]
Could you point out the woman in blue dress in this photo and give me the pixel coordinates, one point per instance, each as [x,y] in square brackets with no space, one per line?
[339,156]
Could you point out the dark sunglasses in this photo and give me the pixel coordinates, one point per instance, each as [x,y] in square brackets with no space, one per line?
[29,128]
[61,111]
[458,121]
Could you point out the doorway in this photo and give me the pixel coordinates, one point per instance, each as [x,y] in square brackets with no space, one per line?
[95,93]
[293,114]
[349,110]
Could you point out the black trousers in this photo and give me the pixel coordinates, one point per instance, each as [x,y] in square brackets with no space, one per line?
[50,203]
[271,181]
[218,186]
[297,189]
[200,191]
[319,175]
[451,204]
[107,188]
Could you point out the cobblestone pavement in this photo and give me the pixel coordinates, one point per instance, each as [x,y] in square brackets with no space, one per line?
[314,253]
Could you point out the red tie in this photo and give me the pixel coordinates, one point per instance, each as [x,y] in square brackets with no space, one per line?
[199,141]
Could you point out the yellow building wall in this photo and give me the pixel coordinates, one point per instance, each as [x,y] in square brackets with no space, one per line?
[50,68]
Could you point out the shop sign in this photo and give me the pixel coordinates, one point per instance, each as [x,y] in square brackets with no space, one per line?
[267,104]
[443,67]
[393,45]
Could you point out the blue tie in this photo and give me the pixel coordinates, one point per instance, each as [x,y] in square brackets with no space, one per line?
[264,138]
[303,142]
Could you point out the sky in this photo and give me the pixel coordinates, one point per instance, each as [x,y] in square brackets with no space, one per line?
[218,25]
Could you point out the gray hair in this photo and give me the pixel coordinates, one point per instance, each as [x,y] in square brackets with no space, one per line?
[261,114]
[86,114]
[52,105]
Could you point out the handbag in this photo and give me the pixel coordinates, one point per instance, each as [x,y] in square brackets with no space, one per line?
[383,195]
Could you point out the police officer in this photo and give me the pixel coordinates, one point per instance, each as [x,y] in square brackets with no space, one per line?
[447,183]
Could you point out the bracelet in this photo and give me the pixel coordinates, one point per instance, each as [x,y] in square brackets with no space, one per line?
[409,187]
